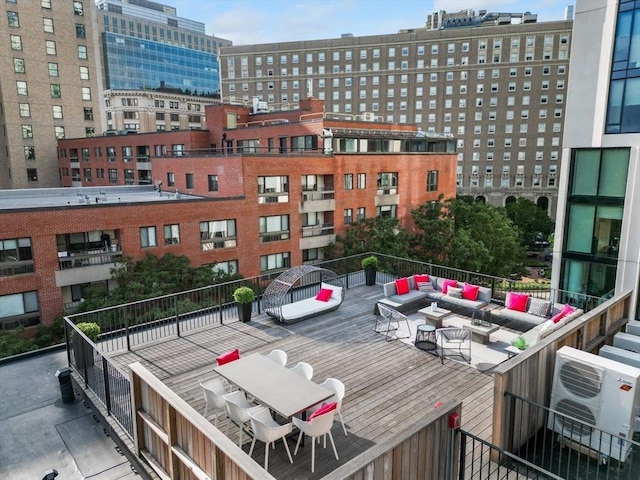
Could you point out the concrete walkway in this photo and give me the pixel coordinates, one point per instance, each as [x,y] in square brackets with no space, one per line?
[39,432]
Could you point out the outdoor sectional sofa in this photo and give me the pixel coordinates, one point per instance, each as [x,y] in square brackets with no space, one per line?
[531,313]
[425,288]
[310,307]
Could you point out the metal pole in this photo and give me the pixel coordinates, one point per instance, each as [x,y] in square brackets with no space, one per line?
[107,392]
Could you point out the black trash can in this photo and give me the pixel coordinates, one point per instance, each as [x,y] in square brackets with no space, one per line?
[66,386]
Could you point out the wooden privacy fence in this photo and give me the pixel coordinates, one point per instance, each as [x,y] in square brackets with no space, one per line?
[179,443]
[529,375]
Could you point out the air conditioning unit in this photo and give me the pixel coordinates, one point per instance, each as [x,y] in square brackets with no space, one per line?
[368,116]
[599,392]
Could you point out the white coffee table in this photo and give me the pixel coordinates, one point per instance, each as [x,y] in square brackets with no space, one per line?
[434,317]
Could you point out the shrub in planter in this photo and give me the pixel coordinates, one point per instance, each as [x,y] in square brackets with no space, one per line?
[244,296]
[370,266]
[84,353]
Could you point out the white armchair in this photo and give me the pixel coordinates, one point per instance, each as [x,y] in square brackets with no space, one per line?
[319,424]
[238,409]
[214,391]
[338,389]
[304,369]
[267,430]
[450,339]
[278,356]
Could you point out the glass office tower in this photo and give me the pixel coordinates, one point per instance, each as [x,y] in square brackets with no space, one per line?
[136,64]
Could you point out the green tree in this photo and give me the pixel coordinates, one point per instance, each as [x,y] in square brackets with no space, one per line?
[379,234]
[530,220]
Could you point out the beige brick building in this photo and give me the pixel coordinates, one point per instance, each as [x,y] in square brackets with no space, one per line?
[50,86]
[499,89]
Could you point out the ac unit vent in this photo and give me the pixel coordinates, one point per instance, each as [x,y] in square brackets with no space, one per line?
[580,379]
[576,410]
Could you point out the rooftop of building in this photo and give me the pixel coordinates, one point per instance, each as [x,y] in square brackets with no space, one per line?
[38,198]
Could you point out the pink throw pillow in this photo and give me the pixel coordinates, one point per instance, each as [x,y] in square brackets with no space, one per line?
[557,317]
[324,294]
[470,292]
[448,283]
[326,408]
[567,310]
[418,279]
[517,301]
[228,357]
[402,286]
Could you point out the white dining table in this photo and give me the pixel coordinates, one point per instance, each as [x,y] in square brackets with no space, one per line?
[282,390]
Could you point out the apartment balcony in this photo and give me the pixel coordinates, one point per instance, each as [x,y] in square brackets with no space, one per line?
[317,201]
[316,236]
[16,267]
[86,267]
[74,163]
[387,196]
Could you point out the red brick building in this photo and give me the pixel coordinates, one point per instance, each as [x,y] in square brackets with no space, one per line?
[257,193]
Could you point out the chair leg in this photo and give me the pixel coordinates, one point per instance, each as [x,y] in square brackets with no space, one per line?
[284,440]
[342,422]
[295,452]
[266,457]
[313,456]
[253,444]
[240,439]
[334,446]
[206,407]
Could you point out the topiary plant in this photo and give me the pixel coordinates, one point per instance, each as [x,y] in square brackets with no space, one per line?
[370,262]
[244,295]
[90,329]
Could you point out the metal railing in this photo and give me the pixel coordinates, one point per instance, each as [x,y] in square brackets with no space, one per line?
[571,448]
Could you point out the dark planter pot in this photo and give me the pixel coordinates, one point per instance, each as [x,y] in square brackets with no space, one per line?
[83,359]
[244,312]
[370,276]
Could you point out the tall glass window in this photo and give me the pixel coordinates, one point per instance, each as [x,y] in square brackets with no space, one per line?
[595,207]
[623,114]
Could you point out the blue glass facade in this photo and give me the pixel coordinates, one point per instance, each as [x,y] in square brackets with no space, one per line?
[134,64]
[623,114]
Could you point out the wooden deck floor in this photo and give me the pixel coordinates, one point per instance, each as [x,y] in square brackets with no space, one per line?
[388,384]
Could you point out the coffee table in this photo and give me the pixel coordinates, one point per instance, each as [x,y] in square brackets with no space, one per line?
[434,317]
[480,333]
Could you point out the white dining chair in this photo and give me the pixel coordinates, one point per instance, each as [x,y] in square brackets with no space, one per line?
[304,369]
[319,423]
[278,356]
[267,430]
[214,391]
[238,408]
[338,389]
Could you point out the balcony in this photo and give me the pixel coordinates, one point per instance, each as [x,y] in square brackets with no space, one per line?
[317,201]
[86,266]
[317,236]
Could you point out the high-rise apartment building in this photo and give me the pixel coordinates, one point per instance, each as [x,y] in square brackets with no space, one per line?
[498,87]
[50,86]
[597,246]
[163,62]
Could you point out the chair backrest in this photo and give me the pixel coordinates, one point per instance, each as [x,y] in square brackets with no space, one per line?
[260,420]
[455,334]
[338,389]
[304,369]
[235,402]
[390,313]
[213,393]
[278,356]
[318,424]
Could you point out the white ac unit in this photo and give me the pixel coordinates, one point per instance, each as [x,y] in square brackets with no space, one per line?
[368,116]
[599,392]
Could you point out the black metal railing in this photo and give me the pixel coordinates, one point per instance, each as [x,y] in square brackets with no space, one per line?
[481,460]
[572,448]
[88,258]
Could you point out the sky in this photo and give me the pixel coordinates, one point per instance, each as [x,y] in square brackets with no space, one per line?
[266,21]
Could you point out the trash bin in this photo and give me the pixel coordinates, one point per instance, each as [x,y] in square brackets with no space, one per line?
[66,387]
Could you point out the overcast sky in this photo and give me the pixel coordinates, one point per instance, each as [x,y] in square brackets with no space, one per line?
[265,21]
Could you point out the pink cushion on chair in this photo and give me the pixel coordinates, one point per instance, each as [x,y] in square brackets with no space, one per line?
[402,285]
[517,301]
[557,317]
[326,408]
[567,310]
[228,357]
[324,294]
[448,283]
[418,279]
[470,292]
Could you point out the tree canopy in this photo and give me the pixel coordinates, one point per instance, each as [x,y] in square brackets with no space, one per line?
[530,220]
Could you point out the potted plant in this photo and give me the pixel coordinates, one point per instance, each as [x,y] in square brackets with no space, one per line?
[370,266]
[244,297]
[84,353]
[519,342]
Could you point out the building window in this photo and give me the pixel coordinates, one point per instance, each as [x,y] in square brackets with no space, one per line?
[16,42]
[55,90]
[80,31]
[348,216]
[171,179]
[50,47]
[82,52]
[84,73]
[45,3]
[86,93]
[12,251]
[172,234]
[213,183]
[217,234]
[148,237]
[57,111]
[78,9]
[27,131]
[32,175]
[19,309]
[362,181]
[432,181]
[25,109]
[348,181]
[88,113]
[274,189]
[387,183]
[275,261]
[274,228]
[13,19]
[59,133]
[189,181]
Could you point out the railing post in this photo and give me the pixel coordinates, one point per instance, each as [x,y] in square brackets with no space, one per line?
[175,309]
[105,378]
[463,455]
[126,330]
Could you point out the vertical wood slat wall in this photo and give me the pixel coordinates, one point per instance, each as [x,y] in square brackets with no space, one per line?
[179,443]
[530,374]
